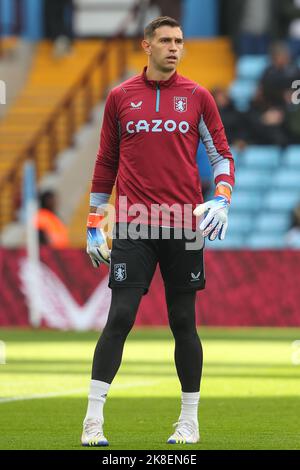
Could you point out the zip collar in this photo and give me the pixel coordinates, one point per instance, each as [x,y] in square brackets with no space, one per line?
[159,83]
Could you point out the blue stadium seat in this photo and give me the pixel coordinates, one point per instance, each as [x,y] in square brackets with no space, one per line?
[291,156]
[287,178]
[237,156]
[252,66]
[235,152]
[252,179]
[262,240]
[246,201]
[260,156]
[239,223]
[280,200]
[275,222]
[241,92]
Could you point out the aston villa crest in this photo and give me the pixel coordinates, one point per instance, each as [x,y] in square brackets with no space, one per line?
[180,104]
[120,272]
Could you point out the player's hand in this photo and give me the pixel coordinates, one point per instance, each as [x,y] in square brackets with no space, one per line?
[97,247]
[215,221]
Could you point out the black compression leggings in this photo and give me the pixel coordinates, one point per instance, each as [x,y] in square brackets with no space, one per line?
[109,350]
[121,318]
[188,348]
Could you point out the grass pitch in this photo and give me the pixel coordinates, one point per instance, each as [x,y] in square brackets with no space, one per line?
[250,393]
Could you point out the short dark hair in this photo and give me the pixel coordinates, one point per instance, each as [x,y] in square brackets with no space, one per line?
[158,22]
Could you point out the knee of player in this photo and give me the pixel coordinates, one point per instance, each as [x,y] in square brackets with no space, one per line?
[121,322]
[182,323]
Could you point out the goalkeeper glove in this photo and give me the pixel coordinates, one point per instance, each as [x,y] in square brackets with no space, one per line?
[215,222]
[97,247]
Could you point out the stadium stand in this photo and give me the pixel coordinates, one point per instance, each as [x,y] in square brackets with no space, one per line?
[291,158]
[7,46]
[56,101]
[249,70]
[60,95]
[251,67]
[266,192]
[261,157]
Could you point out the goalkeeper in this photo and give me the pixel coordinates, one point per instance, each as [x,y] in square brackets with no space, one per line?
[150,135]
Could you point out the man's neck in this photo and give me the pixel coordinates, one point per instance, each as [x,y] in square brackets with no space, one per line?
[157,75]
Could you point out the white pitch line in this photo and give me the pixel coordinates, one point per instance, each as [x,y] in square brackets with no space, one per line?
[71,392]
[41,396]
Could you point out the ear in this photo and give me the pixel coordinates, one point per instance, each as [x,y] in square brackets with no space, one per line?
[146,46]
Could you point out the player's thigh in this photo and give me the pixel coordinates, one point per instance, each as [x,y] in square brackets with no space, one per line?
[133,262]
[181,262]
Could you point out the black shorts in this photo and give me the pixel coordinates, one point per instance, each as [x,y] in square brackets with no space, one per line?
[135,254]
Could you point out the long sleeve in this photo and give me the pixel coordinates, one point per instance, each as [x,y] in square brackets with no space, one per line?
[107,162]
[212,133]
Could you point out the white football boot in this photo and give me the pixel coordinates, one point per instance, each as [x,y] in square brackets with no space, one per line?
[186,432]
[92,435]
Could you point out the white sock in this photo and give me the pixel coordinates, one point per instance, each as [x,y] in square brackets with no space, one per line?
[97,399]
[189,406]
